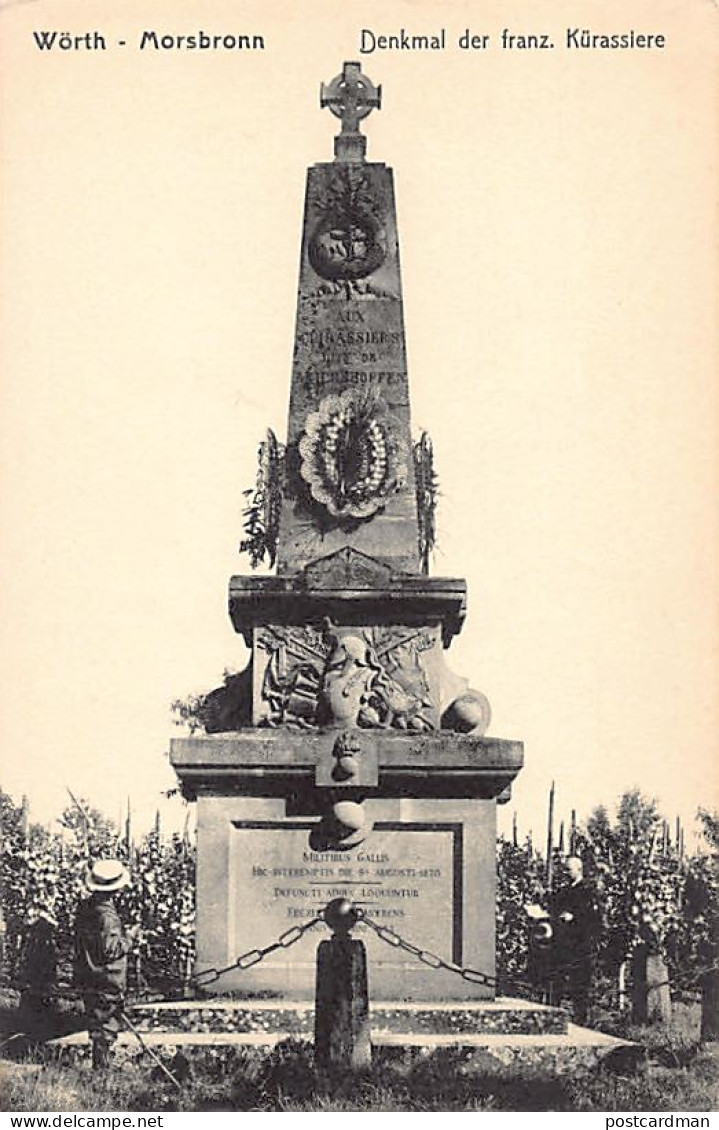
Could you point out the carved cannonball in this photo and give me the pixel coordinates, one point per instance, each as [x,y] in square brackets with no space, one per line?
[470,713]
[342,827]
[349,814]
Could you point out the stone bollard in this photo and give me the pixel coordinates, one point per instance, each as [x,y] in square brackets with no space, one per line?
[342,1032]
[710,1005]
[659,1001]
[651,1000]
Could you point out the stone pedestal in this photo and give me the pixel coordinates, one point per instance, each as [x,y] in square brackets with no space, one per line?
[474,1038]
[426,870]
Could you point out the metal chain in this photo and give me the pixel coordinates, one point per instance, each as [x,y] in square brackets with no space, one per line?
[426,956]
[474,975]
[386,934]
[255,956]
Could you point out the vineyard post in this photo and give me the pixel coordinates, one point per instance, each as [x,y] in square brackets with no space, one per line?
[128,830]
[186,833]
[85,823]
[25,818]
[550,838]
[622,986]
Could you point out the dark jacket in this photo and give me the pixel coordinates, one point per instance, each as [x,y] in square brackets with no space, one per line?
[579,935]
[101,946]
[39,956]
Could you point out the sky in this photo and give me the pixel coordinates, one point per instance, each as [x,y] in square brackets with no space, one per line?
[558,223]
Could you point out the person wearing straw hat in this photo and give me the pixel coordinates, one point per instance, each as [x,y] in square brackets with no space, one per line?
[101,948]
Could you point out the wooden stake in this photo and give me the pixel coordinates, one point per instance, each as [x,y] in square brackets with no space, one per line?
[165,1070]
[186,833]
[550,838]
[653,844]
[25,817]
[86,821]
[623,1002]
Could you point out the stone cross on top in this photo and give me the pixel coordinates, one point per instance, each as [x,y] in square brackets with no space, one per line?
[350,96]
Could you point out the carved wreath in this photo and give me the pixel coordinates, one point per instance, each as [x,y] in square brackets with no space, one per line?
[351,456]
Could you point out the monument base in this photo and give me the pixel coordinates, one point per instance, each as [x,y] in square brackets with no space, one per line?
[426,872]
[504,1016]
[491,1037]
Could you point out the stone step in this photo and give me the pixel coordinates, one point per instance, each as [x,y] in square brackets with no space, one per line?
[577,1049]
[296,1018]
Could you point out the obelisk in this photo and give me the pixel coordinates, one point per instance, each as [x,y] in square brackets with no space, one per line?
[349,473]
[360,769]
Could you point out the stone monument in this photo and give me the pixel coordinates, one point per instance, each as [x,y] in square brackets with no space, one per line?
[347,761]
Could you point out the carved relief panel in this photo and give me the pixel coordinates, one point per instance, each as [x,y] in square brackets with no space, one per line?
[384,676]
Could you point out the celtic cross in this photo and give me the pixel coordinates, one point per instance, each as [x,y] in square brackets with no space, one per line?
[350,96]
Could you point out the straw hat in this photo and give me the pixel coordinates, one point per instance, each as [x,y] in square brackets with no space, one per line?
[107,875]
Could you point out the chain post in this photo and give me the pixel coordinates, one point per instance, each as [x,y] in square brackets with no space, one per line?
[342,1032]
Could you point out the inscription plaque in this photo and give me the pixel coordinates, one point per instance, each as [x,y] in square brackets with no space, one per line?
[400,881]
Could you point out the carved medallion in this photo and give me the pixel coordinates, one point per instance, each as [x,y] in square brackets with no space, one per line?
[347,247]
[349,241]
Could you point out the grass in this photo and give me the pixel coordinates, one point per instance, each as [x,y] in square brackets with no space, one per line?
[678,1075]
